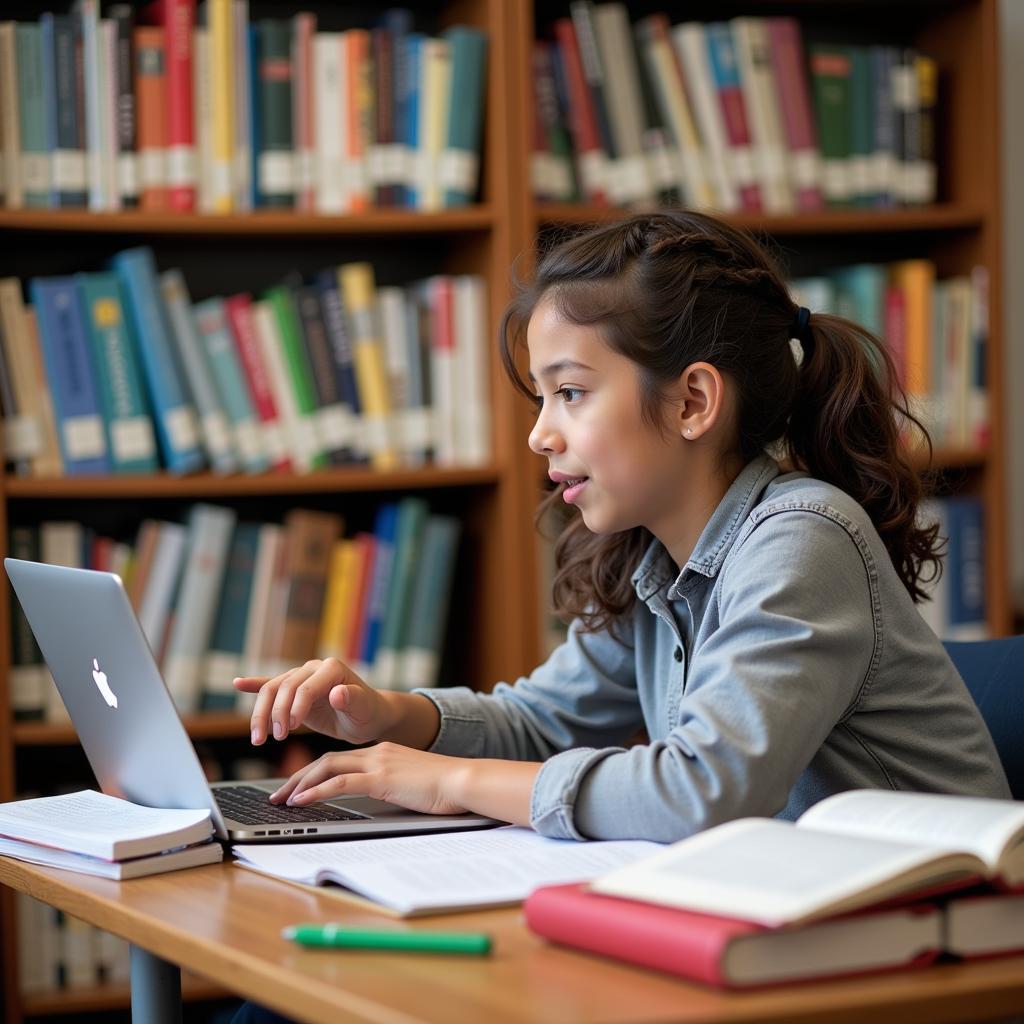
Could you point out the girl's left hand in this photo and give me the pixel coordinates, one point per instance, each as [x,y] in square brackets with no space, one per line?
[400,775]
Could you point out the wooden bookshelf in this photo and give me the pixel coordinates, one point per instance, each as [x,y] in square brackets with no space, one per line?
[502,625]
[111,997]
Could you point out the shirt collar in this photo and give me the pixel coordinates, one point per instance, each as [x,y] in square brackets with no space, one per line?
[656,568]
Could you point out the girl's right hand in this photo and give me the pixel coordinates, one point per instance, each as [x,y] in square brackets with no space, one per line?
[325,695]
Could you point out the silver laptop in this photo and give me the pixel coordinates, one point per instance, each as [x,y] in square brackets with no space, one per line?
[133,737]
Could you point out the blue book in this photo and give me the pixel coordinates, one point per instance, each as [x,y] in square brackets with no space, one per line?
[965,518]
[414,58]
[860,295]
[468,48]
[398,21]
[118,375]
[255,114]
[176,424]
[385,529]
[62,330]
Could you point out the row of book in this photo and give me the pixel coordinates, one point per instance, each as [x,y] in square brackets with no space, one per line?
[185,108]
[731,115]
[936,331]
[119,371]
[218,598]
[956,609]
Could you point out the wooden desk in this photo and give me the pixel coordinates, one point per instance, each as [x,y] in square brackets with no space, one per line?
[224,923]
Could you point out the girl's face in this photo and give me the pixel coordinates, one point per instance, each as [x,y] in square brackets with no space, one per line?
[619,470]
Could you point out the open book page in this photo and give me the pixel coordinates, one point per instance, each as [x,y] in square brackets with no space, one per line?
[760,869]
[100,825]
[991,829]
[455,870]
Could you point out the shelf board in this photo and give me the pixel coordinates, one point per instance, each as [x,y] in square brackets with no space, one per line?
[110,997]
[209,485]
[206,726]
[259,222]
[950,458]
[941,217]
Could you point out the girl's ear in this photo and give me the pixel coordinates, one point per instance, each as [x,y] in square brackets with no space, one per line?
[701,400]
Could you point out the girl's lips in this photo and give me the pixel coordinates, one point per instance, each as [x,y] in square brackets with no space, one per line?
[573,489]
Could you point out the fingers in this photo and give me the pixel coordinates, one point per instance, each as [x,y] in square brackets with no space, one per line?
[324,778]
[267,693]
[248,684]
[297,695]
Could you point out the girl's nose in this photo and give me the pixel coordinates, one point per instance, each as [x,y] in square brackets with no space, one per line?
[544,438]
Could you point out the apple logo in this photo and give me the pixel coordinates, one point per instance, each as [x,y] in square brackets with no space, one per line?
[101,684]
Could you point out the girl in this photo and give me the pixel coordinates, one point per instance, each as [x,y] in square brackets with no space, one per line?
[755,616]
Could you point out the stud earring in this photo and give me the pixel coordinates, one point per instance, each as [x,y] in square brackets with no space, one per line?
[689,431]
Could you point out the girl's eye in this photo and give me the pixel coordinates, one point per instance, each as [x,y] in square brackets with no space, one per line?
[570,395]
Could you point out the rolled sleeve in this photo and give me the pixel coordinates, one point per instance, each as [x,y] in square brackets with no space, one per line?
[794,646]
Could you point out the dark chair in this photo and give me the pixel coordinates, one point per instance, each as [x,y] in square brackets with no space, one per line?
[994,673]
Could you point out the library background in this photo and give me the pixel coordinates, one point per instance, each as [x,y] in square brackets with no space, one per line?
[252,259]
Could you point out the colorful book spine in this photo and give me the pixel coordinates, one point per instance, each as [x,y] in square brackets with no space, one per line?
[151,106]
[177,427]
[385,529]
[119,378]
[182,173]
[460,161]
[69,367]
[276,164]
[214,430]
[232,388]
[219,22]
[832,83]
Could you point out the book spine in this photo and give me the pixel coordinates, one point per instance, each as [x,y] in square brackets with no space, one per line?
[276,163]
[222,357]
[31,93]
[222,66]
[444,384]
[10,117]
[177,427]
[28,676]
[243,165]
[214,431]
[119,380]
[303,119]
[831,73]
[883,173]
[381,156]
[240,317]
[327,102]
[384,532]
[460,162]
[69,178]
[151,94]
[473,410]
[179,23]
[404,83]
[127,157]
[71,373]
[861,127]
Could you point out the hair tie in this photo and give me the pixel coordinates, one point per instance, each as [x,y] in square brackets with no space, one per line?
[801,330]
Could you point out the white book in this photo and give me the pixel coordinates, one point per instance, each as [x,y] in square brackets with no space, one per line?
[209,537]
[849,851]
[270,540]
[202,99]
[761,98]
[473,416]
[300,430]
[93,74]
[415,875]
[101,826]
[690,41]
[328,103]
[155,606]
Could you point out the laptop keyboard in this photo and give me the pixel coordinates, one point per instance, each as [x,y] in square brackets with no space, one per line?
[250,806]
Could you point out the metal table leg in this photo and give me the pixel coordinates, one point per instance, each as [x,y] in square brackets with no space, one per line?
[156,989]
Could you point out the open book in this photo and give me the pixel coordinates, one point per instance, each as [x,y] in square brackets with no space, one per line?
[452,871]
[852,850]
[102,826]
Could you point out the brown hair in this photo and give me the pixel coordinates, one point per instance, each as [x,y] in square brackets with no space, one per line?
[673,288]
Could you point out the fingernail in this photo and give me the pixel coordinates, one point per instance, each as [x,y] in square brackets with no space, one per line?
[278,731]
[257,735]
[297,798]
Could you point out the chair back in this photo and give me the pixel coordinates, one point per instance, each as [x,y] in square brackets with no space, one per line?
[994,673]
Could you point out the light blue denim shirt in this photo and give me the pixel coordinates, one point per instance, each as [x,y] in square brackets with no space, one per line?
[786,662]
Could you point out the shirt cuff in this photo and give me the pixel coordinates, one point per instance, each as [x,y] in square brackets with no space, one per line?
[463,729]
[556,788]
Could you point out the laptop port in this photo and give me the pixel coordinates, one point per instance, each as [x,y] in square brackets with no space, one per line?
[297,831]
[312,830]
[274,832]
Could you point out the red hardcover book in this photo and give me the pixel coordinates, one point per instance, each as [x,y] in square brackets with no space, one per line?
[179,17]
[729,953]
[582,116]
[239,312]
[797,117]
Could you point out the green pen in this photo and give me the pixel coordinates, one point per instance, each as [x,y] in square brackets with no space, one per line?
[333,936]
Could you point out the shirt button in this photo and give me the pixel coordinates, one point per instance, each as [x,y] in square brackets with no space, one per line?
[678,654]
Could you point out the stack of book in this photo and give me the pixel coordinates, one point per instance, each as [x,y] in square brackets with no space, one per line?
[936,332]
[731,116]
[120,372]
[864,881]
[218,598]
[170,107]
[103,835]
